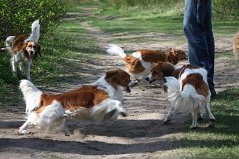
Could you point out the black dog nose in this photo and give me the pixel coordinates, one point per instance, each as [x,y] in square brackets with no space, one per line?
[147,78]
[31,52]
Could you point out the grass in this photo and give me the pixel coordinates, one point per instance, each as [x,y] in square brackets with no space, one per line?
[135,22]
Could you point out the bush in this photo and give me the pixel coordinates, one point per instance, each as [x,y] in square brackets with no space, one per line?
[17,15]
[221,8]
[226,9]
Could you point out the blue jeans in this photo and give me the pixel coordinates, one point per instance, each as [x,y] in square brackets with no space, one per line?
[197,27]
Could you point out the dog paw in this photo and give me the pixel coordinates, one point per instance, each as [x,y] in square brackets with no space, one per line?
[212,120]
[166,121]
[133,83]
[200,118]
[22,132]
[124,114]
[193,127]
[3,49]
[35,108]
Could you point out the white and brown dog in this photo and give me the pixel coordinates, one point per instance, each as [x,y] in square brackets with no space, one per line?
[98,102]
[139,63]
[23,49]
[187,89]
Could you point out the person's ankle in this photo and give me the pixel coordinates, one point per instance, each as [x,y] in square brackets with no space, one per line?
[213,92]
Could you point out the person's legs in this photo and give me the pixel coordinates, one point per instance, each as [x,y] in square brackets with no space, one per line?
[196,33]
[210,42]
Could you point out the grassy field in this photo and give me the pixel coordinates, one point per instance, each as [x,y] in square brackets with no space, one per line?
[67,52]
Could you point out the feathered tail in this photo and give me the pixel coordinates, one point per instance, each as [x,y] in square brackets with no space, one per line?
[35,31]
[183,101]
[32,95]
[116,50]
[8,44]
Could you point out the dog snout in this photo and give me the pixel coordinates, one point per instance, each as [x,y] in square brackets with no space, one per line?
[132,83]
[128,90]
[31,53]
[149,79]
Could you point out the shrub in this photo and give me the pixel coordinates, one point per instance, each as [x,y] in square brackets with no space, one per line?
[17,15]
[226,9]
[221,8]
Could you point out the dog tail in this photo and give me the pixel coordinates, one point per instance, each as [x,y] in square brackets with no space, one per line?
[184,101]
[32,95]
[116,50]
[35,35]
[8,43]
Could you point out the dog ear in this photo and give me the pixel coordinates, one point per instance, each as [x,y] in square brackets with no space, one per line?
[110,74]
[38,49]
[167,69]
[174,52]
[170,49]
[154,65]
[24,49]
[110,78]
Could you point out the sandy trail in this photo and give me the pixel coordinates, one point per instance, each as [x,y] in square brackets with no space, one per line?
[141,134]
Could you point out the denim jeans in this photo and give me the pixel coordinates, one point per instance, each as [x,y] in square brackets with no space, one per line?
[197,27]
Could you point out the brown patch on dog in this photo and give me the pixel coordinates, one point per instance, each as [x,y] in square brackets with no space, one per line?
[161,70]
[175,55]
[179,71]
[118,77]
[133,64]
[18,43]
[85,97]
[196,80]
[153,56]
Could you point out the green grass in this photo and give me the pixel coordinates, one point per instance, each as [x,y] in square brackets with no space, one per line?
[218,142]
[138,21]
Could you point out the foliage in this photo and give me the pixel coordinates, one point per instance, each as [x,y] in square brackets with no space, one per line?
[226,9]
[221,8]
[17,15]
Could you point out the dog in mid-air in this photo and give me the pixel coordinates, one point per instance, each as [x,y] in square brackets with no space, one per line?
[99,101]
[23,50]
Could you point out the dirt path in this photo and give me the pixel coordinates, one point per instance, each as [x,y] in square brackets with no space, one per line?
[140,135]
